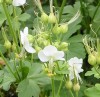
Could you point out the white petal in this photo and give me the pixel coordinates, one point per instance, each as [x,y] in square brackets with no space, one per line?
[18,2]
[42,56]
[29,49]
[50,50]
[59,55]
[26,31]
[22,37]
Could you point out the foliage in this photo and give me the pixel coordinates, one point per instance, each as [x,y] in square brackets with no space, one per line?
[71,27]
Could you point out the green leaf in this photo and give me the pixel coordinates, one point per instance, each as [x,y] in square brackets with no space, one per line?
[24,17]
[75,38]
[76,50]
[8,78]
[93,72]
[93,92]
[28,88]
[2,19]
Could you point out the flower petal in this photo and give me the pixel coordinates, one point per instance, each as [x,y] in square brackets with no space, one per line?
[26,31]
[29,48]
[43,57]
[22,37]
[59,55]
[50,50]
[18,2]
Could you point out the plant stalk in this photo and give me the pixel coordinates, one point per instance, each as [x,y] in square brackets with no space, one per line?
[10,25]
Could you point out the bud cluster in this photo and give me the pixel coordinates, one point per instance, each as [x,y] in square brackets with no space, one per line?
[93,49]
[69,85]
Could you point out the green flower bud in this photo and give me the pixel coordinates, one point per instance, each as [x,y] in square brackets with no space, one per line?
[76,87]
[69,84]
[56,29]
[63,28]
[98,59]
[2,62]
[44,17]
[56,44]
[7,44]
[13,46]
[8,1]
[30,38]
[52,18]
[46,42]
[40,40]
[92,59]
[37,48]
[64,46]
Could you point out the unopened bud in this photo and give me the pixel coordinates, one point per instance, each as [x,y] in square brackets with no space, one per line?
[30,38]
[37,48]
[63,28]
[56,29]
[64,46]
[2,62]
[76,87]
[92,59]
[13,46]
[69,84]
[7,44]
[52,18]
[44,17]
[98,59]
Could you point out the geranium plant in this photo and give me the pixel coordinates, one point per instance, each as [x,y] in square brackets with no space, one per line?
[48,48]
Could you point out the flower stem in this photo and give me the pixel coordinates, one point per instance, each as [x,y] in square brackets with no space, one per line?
[76,94]
[71,93]
[61,9]
[16,70]
[55,2]
[60,87]
[21,66]
[10,25]
[53,88]
[96,11]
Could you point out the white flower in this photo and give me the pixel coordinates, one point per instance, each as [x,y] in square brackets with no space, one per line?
[18,2]
[75,67]
[25,42]
[50,53]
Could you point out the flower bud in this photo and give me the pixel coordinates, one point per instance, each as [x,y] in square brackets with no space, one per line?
[56,44]
[52,18]
[40,40]
[98,59]
[64,46]
[46,42]
[63,28]
[69,84]
[7,44]
[56,29]
[2,62]
[37,48]
[92,59]
[30,38]
[44,17]
[13,46]
[76,87]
